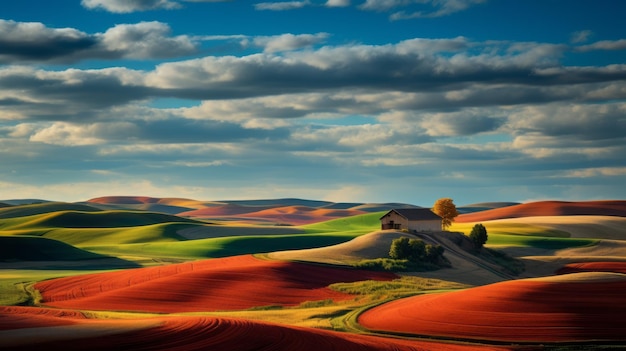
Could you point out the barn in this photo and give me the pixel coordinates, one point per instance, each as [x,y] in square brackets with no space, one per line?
[412,219]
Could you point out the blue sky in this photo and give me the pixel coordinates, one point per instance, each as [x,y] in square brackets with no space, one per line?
[369,100]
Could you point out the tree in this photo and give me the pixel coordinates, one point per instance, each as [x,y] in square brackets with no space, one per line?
[400,248]
[415,250]
[479,236]
[446,209]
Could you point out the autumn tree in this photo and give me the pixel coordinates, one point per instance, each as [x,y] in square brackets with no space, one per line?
[478,236]
[446,209]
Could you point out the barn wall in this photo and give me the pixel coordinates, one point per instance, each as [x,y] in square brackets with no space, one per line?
[397,219]
[425,226]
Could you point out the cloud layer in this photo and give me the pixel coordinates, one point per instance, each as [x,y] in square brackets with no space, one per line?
[301,112]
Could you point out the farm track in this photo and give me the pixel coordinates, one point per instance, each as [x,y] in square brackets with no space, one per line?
[453,249]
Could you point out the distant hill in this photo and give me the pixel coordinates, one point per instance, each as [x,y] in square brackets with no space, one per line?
[548,208]
[145,203]
[107,219]
[23,201]
[41,208]
[484,206]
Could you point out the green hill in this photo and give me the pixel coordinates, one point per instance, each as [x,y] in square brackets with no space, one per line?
[79,219]
[360,223]
[41,208]
[32,248]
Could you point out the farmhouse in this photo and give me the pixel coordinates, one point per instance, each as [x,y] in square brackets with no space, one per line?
[412,219]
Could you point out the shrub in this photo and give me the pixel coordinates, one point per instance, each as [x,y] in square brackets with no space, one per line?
[479,236]
[415,251]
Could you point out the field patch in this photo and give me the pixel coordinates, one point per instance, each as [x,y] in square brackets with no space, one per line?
[548,208]
[68,330]
[232,283]
[573,308]
[616,267]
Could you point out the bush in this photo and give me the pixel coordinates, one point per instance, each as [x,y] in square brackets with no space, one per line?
[415,251]
[395,265]
[479,236]
[384,264]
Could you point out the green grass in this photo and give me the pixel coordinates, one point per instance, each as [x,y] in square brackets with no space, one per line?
[511,229]
[396,265]
[550,243]
[401,287]
[16,285]
[222,247]
[354,224]
[13,292]
[161,232]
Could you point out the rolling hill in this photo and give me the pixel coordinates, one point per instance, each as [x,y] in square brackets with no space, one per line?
[548,208]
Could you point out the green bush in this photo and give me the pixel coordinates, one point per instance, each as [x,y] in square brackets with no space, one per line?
[415,251]
[479,236]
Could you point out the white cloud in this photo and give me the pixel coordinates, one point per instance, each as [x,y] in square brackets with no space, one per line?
[146,40]
[126,6]
[594,172]
[281,6]
[337,3]
[67,134]
[434,8]
[604,45]
[24,42]
[286,42]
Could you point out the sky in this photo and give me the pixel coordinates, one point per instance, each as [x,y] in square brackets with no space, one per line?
[339,100]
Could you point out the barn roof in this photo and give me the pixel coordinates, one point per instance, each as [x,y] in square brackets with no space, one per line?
[415,214]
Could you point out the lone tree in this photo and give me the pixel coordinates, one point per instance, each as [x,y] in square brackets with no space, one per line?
[478,236]
[446,209]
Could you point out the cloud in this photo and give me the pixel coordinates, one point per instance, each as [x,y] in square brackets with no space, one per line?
[282,6]
[580,36]
[337,3]
[462,123]
[595,172]
[434,8]
[146,40]
[34,42]
[128,6]
[166,131]
[604,45]
[409,66]
[287,42]
[579,124]
[412,75]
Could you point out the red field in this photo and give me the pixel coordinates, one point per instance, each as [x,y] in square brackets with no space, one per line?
[188,333]
[616,267]
[548,208]
[232,283]
[537,310]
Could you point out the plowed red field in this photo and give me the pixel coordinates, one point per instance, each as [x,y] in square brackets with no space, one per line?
[232,283]
[548,208]
[616,267]
[193,333]
[537,310]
